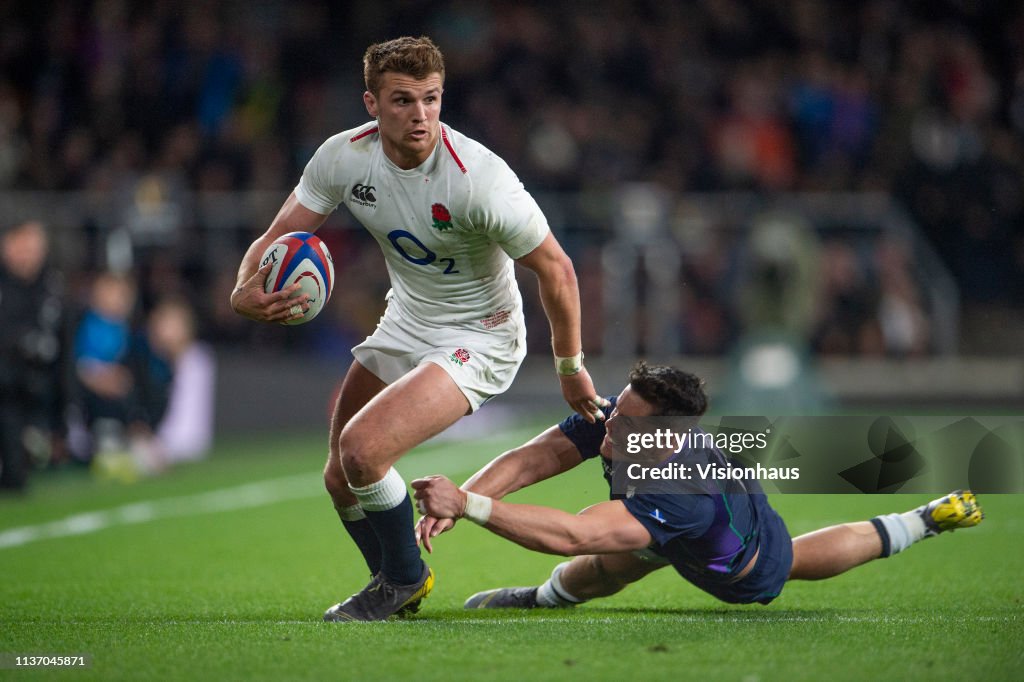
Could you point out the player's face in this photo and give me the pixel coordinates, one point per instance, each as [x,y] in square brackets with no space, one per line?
[629,404]
[408,112]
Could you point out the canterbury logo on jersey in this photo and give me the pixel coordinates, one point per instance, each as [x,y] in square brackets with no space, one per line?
[363,195]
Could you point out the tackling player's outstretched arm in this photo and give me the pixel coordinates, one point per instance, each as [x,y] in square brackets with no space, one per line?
[544,456]
[604,528]
[249,299]
[547,454]
[560,296]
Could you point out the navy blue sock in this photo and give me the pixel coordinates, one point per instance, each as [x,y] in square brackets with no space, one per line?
[883,533]
[366,540]
[400,555]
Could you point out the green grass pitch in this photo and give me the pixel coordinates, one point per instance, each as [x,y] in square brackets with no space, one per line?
[221,570]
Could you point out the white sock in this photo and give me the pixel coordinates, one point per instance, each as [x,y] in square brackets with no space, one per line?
[353,513]
[903,529]
[387,493]
[553,594]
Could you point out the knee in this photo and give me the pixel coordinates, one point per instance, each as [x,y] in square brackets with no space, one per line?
[358,457]
[601,573]
[588,577]
[334,478]
[594,565]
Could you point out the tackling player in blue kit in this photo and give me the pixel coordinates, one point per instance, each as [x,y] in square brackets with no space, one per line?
[723,537]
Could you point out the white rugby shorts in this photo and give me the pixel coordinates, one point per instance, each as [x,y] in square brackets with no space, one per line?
[482,363]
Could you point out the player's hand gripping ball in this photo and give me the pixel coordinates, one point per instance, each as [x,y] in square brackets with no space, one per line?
[300,257]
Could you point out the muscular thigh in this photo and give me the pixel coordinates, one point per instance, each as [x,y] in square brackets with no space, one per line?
[358,388]
[418,406]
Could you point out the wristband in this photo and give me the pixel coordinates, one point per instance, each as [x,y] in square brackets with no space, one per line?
[478,508]
[566,367]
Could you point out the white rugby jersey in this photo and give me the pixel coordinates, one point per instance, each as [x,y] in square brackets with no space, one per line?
[448,228]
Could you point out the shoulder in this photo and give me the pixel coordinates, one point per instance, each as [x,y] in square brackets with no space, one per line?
[471,157]
[585,436]
[668,514]
[361,136]
[333,166]
[355,140]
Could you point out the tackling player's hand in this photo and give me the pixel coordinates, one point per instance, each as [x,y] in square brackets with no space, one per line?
[251,301]
[438,497]
[430,527]
[578,390]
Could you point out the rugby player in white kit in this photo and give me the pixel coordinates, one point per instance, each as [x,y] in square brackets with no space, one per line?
[450,217]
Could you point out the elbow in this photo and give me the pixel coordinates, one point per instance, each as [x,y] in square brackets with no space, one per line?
[560,548]
[560,543]
[572,544]
[526,478]
[566,271]
[557,273]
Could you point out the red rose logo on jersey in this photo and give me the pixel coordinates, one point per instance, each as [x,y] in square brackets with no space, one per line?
[460,356]
[442,218]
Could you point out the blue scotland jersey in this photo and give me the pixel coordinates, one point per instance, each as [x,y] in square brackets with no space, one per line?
[708,530]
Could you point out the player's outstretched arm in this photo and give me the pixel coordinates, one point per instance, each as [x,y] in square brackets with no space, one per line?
[548,454]
[560,296]
[604,528]
[249,299]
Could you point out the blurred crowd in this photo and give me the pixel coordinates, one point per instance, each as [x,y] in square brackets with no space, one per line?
[93,378]
[149,102]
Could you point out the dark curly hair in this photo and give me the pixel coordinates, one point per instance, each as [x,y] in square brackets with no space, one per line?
[416,57]
[672,392]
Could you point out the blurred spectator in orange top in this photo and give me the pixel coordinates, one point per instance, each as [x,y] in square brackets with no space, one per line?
[751,141]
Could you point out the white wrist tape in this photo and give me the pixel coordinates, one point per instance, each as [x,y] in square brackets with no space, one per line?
[570,365]
[478,508]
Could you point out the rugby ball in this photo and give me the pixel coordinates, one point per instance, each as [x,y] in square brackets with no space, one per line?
[300,257]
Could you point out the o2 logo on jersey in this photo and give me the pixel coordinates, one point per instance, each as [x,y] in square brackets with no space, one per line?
[403,241]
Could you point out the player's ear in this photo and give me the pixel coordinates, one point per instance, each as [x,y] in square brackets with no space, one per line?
[371,104]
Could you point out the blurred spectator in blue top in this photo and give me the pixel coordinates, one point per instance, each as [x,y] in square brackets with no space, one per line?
[103,346]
